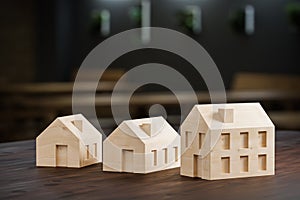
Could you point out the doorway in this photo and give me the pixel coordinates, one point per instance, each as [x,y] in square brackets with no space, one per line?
[61,155]
[197,168]
[127,160]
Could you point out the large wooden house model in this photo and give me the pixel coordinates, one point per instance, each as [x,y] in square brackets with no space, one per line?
[220,141]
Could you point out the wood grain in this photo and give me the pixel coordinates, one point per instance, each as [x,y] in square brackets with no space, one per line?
[20,179]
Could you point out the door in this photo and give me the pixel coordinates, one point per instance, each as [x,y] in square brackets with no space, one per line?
[61,155]
[197,166]
[127,160]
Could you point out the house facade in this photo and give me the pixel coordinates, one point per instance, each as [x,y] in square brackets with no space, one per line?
[142,146]
[69,141]
[221,141]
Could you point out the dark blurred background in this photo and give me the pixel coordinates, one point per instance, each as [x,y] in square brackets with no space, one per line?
[44,42]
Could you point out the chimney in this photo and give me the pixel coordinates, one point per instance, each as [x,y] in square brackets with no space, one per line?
[226,115]
[146,127]
[77,124]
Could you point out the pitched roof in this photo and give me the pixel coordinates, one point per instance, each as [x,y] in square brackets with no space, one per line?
[88,130]
[160,129]
[246,115]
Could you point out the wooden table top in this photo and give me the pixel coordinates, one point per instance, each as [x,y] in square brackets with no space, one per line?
[21,179]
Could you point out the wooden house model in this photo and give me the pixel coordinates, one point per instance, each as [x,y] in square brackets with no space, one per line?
[220,141]
[70,141]
[142,146]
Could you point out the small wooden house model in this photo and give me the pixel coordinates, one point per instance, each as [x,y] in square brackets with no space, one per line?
[220,141]
[69,141]
[142,146]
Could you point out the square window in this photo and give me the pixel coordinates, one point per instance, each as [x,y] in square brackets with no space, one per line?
[225,141]
[154,157]
[262,138]
[201,138]
[188,138]
[165,150]
[87,151]
[176,153]
[244,140]
[225,164]
[244,163]
[262,162]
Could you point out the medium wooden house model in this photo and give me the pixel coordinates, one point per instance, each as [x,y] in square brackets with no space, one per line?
[142,146]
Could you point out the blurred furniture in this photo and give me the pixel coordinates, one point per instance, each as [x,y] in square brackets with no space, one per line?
[286,112]
[33,106]
[33,111]
[26,105]
[20,179]
[15,101]
[110,75]
[260,81]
